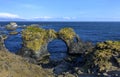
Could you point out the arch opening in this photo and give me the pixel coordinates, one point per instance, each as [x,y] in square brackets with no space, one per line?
[57,49]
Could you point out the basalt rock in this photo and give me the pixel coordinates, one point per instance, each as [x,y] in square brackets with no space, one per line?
[80,47]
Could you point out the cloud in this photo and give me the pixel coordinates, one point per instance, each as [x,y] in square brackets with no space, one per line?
[69,18]
[54,18]
[44,17]
[9,15]
[5,15]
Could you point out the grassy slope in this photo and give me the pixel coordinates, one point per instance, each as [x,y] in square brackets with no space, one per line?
[12,65]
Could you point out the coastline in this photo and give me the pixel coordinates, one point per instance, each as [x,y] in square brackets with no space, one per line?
[85,51]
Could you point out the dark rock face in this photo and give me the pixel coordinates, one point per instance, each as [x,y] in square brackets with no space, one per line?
[80,47]
[32,57]
[117,60]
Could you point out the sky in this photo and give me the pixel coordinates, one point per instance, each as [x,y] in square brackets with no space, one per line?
[61,10]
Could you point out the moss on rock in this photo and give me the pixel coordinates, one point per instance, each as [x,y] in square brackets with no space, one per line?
[34,37]
[67,33]
[102,57]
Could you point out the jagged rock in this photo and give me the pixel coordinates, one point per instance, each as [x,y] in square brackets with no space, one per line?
[117,60]
[11,26]
[80,47]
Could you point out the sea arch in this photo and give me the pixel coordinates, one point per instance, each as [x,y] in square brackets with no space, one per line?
[36,39]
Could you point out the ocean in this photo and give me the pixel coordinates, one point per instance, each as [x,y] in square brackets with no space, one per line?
[88,31]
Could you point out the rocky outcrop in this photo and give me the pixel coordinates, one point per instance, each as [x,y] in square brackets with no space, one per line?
[105,57]
[80,48]
[74,44]
[11,26]
[35,40]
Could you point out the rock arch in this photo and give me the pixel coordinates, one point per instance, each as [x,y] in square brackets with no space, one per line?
[35,40]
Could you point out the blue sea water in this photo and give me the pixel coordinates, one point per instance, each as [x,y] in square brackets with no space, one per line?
[88,31]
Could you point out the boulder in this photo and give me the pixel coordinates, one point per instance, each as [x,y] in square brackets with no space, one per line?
[11,26]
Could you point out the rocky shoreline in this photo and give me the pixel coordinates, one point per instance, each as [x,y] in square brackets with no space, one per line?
[84,59]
